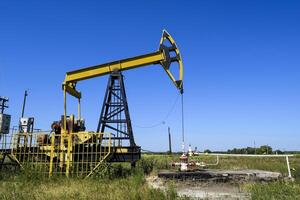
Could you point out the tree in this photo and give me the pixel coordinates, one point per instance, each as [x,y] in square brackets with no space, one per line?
[207,151]
[264,149]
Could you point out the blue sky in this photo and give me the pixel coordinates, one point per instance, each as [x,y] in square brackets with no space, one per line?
[241,63]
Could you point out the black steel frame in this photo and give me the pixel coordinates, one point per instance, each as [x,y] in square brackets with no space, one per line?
[115,118]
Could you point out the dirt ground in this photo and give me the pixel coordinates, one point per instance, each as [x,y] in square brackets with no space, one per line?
[201,190]
[212,183]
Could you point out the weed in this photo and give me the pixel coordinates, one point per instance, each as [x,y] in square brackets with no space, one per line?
[276,190]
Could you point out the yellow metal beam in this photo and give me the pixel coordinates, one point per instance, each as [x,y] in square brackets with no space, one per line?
[162,57]
[120,65]
[70,88]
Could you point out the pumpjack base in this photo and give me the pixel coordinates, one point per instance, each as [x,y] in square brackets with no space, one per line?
[126,154]
[217,175]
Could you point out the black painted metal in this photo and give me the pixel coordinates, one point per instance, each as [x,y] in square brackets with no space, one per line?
[115,118]
[3,104]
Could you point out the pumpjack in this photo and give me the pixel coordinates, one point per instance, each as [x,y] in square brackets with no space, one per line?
[69,148]
[115,115]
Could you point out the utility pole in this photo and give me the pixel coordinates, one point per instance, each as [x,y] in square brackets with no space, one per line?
[24,102]
[170,145]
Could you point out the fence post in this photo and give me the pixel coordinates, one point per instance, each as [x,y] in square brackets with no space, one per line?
[288,166]
[69,155]
[51,154]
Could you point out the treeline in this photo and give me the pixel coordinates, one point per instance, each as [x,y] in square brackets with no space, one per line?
[264,149]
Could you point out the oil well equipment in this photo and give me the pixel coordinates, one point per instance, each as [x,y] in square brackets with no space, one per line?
[69,149]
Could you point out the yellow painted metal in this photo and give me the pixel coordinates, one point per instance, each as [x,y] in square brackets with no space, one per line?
[15,158]
[82,137]
[104,158]
[178,83]
[121,150]
[64,132]
[120,65]
[162,56]
[51,154]
[41,152]
[69,154]
[70,88]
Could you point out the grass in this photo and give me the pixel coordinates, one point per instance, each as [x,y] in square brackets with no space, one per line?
[131,187]
[157,162]
[276,191]
[122,183]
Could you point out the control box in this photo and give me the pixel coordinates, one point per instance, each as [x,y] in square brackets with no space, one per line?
[4,123]
[26,124]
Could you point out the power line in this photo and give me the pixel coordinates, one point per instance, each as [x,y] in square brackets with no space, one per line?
[163,121]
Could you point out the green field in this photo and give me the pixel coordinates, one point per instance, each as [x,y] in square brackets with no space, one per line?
[122,183]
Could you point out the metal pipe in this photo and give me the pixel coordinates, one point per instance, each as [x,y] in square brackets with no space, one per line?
[255,155]
[65,109]
[245,155]
[79,109]
[213,164]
